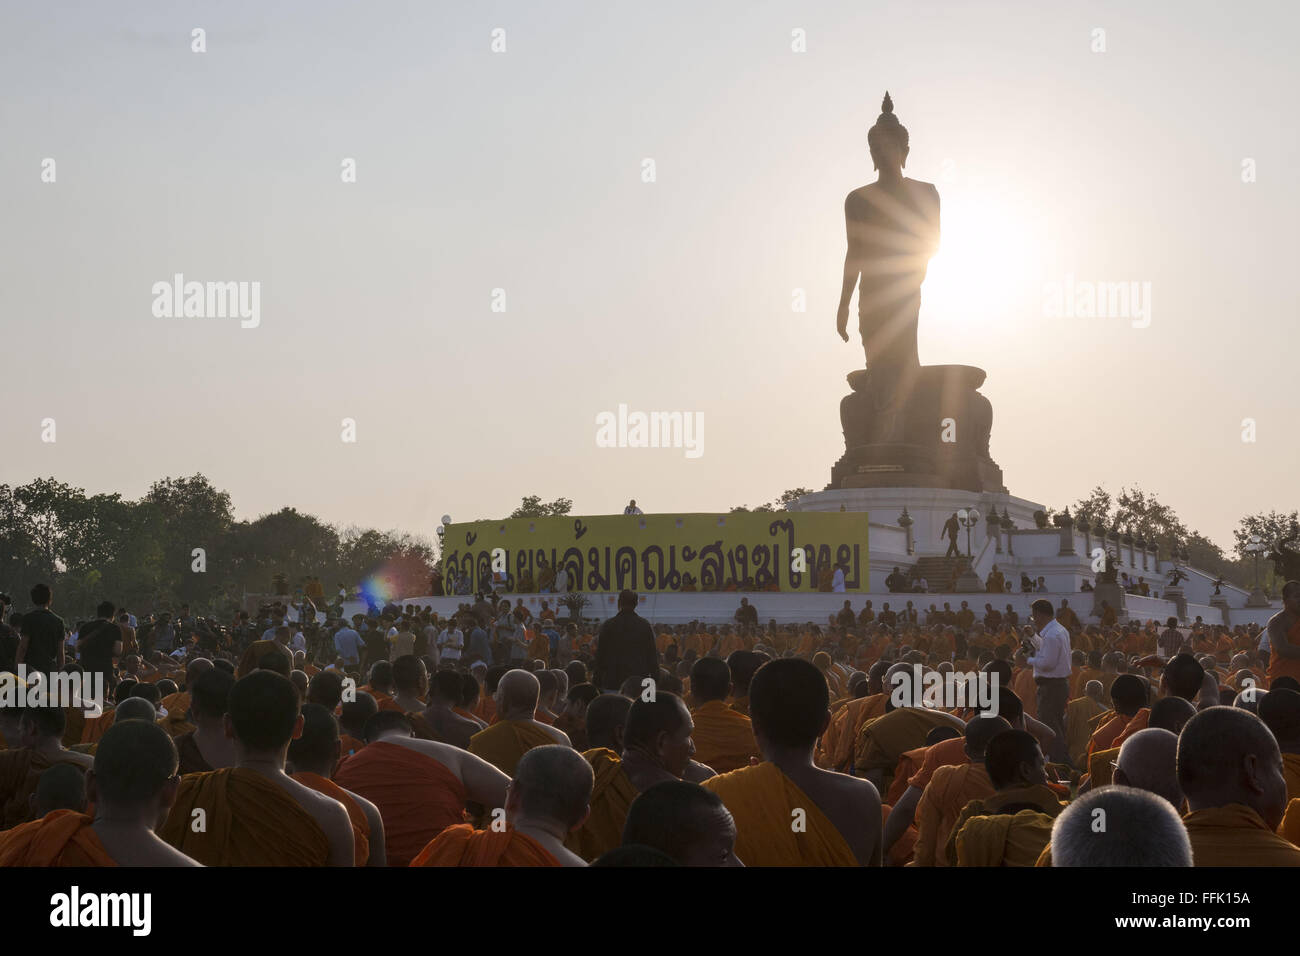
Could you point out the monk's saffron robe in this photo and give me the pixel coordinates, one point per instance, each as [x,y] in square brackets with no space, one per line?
[762,800]
[417,796]
[1235,835]
[1139,722]
[462,845]
[60,838]
[1004,839]
[1077,732]
[1039,798]
[884,740]
[246,820]
[724,738]
[505,742]
[611,796]
[20,773]
[360,825]
[949,791]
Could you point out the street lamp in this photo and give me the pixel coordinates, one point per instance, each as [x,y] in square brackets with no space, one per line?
[1255,546]
[969,518]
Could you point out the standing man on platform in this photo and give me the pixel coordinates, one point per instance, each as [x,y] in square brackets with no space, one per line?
[950,528]
[1050,660]
[625,647]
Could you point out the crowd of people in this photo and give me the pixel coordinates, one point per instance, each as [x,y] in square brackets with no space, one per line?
[499,737]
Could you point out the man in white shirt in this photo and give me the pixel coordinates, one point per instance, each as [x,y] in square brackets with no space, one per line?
[837,580]
[451,643]
[1049,656]
[631,508]
[561,580]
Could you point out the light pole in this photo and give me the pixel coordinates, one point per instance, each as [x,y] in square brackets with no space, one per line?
[1255,545]
[969,518]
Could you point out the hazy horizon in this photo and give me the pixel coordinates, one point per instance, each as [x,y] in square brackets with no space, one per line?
[522,171]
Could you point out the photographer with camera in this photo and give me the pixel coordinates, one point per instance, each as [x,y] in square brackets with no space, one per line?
[1049,655]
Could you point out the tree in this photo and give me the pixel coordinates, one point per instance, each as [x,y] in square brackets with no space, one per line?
[533,507]
[1271,526]
[789,497]
[780,504]
[1094,509]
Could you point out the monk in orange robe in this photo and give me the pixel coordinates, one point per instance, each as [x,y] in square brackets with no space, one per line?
[539,646]
[1022,682]
[1128,695]
[1013,825]
[177,721]
[1078,713]
[1279,708]
[421,787]
[60,838]
[1284,635]
[884,740]
[724,738]
[254,814]
[313,757]
[39,746]
[855,715]
[518,730]
[838,817]
[132,785]
[612,794]
[950,788]
[1230,770]
[549,798]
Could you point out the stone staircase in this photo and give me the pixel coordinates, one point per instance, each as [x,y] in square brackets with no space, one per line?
[939,571]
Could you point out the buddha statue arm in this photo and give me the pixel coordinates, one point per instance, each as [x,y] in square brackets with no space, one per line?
[852,270]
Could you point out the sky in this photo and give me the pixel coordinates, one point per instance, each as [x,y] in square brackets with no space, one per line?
[1157,151]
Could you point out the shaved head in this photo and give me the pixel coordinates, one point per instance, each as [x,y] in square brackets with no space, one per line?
[61,787]
[1148,760]
[606,717]
[134,761]
[1227,755]
[684,821]
[1280,711]
[978,734]
[551,783]
[135,708]
[1171,713]
[518,691]
[194,668]
[1141,830]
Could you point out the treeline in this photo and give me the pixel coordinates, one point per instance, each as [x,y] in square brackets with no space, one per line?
[142,554]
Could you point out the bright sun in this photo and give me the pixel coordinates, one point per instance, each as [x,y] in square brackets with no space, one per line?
[988,262]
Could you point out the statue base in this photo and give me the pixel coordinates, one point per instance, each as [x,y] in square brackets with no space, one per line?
[1113,595]
[1176,594]
[923,427]
[1257,598]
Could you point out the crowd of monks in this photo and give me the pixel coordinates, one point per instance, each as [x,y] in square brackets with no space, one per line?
[757,746]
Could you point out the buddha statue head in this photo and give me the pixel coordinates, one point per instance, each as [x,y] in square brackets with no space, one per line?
[887,140]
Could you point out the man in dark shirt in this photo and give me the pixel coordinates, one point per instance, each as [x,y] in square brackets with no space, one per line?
[99,642]
[746,615]
[625,647]
[41,646]
[9,645]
